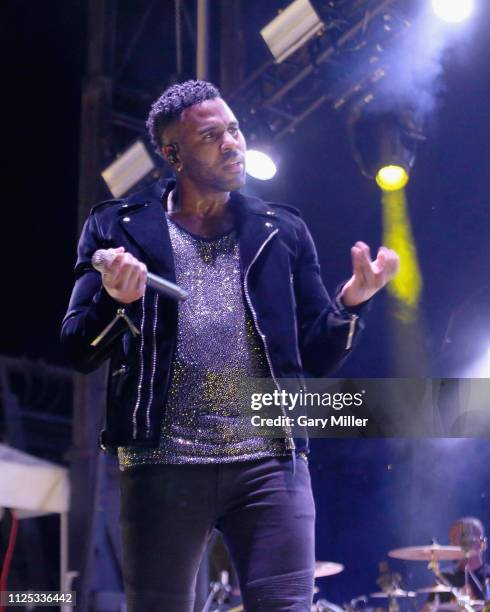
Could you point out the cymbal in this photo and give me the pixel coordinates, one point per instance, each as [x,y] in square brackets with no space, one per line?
[394,593]
[436,588]
[455,607]
[428,553]
[327,568]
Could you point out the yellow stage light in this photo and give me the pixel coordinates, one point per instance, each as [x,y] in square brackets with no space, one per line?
[392,178]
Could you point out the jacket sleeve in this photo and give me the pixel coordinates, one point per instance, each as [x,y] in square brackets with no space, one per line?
[94,319]
[327,330]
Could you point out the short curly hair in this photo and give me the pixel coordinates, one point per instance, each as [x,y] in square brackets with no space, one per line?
[172,102]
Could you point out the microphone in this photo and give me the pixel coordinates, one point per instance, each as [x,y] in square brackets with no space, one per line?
[103,258]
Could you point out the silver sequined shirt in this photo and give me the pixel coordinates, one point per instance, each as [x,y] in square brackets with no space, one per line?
[217,349]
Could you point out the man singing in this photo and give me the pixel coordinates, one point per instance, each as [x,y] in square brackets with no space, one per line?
[257,307]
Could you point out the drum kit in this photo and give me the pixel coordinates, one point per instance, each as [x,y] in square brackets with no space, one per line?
[439,597]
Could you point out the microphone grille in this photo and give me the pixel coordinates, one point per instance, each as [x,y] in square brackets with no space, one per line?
[101,259]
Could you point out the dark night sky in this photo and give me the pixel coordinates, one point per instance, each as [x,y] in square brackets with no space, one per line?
[44,45]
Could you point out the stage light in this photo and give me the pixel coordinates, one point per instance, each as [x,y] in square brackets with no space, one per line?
[260,165]
[129,168]
[453,11]
[392,178]
[291,29]
[384,145]
[484,365]
[479,367]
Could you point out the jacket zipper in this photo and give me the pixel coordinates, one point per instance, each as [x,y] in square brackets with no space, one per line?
[118,378]
[153,363]
[120,371]
[121,314]
[352,329]
[152,372]
[296,346]
[290,445]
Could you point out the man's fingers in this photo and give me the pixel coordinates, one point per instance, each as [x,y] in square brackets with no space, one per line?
[112,270]
[387,263]
[373,273]
[116,262]
[128,272]
[392,262]
[115,252]
[125,277]
[123,272]
[361,260]
[364,247]
[380,261]
[364,253]
[142,278]
[133,278]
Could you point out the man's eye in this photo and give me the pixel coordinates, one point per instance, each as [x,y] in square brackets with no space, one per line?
[209,136]
[233,131]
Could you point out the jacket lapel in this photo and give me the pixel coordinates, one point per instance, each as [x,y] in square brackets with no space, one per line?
[256,224]
[143,219]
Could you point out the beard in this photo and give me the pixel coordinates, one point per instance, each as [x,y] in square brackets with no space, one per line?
[217,179]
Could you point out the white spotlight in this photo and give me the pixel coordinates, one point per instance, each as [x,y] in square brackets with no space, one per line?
[260,165]
[128,169]
[291,29]
[453,11]
[480,367]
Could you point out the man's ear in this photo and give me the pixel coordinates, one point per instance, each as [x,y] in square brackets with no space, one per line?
[170,152]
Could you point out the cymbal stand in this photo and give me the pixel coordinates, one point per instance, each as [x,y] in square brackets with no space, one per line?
[219,592]
[468,573]
[434,567]
[462,600]
[393,605]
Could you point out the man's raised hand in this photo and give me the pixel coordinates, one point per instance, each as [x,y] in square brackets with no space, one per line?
[368,276]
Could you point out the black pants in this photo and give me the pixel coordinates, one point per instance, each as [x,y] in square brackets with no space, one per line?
[265,513]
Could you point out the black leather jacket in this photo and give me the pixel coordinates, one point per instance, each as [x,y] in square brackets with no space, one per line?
[304,333]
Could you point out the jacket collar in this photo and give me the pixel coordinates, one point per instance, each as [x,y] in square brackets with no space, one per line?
[142,217]
[256,224]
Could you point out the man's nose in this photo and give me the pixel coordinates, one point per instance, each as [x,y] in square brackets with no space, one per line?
[228,142]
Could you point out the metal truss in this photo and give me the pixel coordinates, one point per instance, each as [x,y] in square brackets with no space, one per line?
[277,98]
[343,62]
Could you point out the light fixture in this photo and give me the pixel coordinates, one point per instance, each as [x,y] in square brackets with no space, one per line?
[392,177]
[453,11]
[260,165]
[291,29]
[384,145]
[479,367]
[128,169]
